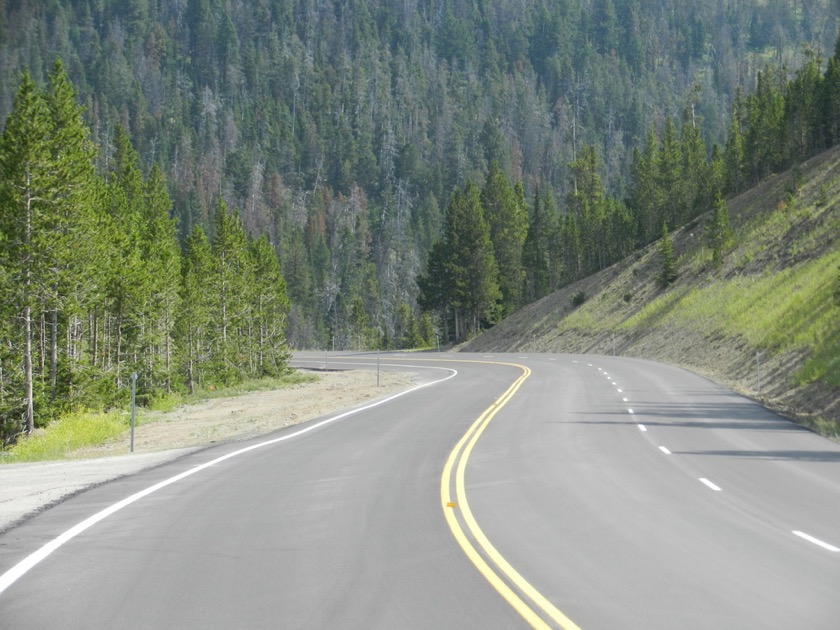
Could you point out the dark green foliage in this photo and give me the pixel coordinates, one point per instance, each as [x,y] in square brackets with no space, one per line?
[837,289]
[461,281]
[94,273]
[667,260]
[507,219]
[578,298]
[276,105]
[718,234]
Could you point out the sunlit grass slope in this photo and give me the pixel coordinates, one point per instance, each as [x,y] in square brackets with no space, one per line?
[765,322]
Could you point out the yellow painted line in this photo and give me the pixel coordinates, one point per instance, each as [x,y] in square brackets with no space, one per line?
[460,454]
[463,449]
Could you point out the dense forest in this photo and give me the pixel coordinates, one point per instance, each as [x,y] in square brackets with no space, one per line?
[360,174]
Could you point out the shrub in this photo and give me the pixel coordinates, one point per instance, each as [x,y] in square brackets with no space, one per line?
[578,298]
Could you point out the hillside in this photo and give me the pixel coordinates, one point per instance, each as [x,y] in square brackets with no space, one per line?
[340,129]
[764,323]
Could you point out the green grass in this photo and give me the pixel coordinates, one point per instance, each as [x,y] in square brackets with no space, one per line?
[168,402]
[782,311]
[69,433]
[80,430]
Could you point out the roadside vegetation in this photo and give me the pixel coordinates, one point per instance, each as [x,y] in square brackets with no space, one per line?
[79,430]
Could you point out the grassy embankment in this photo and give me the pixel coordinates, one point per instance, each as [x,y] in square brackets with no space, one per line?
[82,429]
[765,323]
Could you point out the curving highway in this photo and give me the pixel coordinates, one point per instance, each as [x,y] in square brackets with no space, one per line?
[504,491]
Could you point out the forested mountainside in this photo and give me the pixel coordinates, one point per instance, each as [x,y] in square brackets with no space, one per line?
[185,186]
[340,128]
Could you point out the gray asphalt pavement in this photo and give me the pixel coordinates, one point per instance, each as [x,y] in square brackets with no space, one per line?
[622,492]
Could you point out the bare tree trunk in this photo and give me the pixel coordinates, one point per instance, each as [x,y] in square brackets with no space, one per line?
[119,349]
[168,347]
[27,365]
[53,355]
[27,318]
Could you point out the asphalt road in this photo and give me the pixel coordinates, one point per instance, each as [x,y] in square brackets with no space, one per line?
[590,491]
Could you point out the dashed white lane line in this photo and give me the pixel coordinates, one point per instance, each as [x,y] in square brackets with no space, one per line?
[708,483]
[816,541]
[642,428]
[625,400]
[630,411]
[664,450]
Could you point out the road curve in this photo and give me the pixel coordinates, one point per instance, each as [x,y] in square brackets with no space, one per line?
[595,491]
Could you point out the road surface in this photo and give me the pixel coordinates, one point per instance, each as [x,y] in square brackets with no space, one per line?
[509,491]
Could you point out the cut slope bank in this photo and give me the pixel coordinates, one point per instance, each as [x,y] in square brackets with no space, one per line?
[765,323]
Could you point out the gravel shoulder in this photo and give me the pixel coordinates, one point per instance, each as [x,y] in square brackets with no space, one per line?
[26,489]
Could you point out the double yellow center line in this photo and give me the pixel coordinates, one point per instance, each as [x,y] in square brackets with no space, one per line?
[538,611]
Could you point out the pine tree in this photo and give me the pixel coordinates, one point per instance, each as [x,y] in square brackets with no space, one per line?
[507,219]
[26,189]
[270,310]
[471,263]
[130,287]
[667,260]
[734,158]
[231,286]
[161,256]
[669,178]
[76,246]
[837,289]
[435,285]
[718,233]
[536,254]
[830,101]
[194,317]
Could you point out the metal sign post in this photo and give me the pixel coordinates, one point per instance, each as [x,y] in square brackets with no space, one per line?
[133,405]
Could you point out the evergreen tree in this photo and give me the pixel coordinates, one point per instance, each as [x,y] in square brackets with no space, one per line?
[161,256]
[667,259]
[670,178]
[830,100]
[837,289]
[536,253]
[471,263]
[194,318]
[231,286]
[718,233]
[270,310]
[27,188]
[507,219]
[77,244]
[436,285]
[645,200]
[734,158]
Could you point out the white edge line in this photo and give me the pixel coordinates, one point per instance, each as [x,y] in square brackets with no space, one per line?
[711,485]
[816,541]
[21,568]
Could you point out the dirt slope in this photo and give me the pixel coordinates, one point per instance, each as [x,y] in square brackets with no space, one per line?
[776,230]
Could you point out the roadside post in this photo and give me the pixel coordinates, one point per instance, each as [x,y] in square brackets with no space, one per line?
[377,367]
[133,405]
